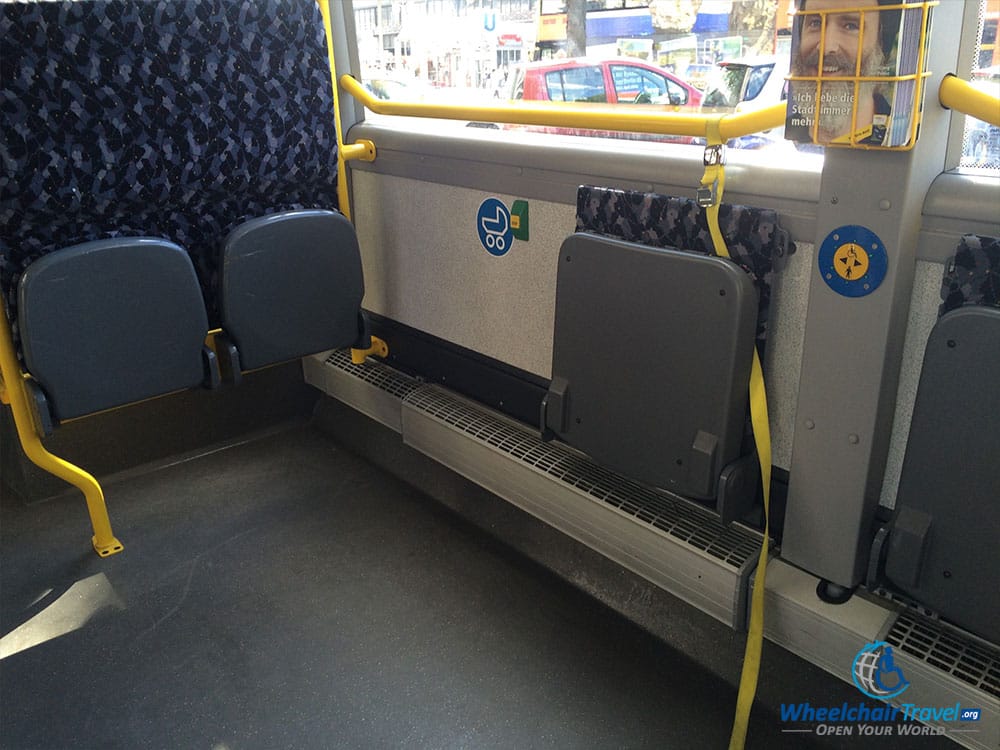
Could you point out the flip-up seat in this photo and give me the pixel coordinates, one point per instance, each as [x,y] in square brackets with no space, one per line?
[291,284]
[111,322]
[654,337]
[943,546]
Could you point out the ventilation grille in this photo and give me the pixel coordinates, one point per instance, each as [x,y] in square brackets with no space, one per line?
[733,545]
[934,643]
[381,376]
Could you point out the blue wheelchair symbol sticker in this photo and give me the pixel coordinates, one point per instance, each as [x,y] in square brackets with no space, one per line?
[493,225]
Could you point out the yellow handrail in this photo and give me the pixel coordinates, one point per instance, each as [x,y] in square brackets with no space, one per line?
[13,391]
[594,117]
[963,97]
[954,93]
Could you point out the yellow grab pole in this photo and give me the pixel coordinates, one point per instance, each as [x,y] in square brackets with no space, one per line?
[747,123]
[342,194]
[15,393]
[554,114]
[962,96]
[640,119]
[363,150]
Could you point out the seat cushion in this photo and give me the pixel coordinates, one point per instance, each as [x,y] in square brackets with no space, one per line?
[291,285]
[110,322]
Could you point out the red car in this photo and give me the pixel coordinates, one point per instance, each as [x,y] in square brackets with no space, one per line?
[621,81]
[624,81]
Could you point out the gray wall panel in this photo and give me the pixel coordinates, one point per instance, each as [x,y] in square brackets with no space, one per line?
[956,204]
[435,276]
[430,272]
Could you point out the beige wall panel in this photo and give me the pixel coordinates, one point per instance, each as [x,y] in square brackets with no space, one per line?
[783,358]
[426,268]
[923,315]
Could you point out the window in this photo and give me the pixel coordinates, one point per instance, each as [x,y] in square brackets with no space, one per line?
[725,87]
[981,141]
[584,84]
[634,84]
[690,57]
[987,43]
[756,80]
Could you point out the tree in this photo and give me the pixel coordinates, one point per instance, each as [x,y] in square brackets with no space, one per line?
[755,21]
[674,15]
[576,28]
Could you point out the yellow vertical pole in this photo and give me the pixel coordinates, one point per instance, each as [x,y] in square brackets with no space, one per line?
[364,150]
[343,198]
[13,392]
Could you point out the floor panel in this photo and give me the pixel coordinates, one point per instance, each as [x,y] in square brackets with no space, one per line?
[284,593]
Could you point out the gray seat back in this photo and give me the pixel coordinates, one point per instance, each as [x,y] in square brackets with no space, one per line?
[291,284]
[651,360]
[944,543]
[111,322]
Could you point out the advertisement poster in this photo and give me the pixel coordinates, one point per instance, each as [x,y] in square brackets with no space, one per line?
[854,74]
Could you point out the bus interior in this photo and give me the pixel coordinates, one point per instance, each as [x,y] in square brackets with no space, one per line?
[393,432]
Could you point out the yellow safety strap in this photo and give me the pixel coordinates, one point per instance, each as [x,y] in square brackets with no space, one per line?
[710,196]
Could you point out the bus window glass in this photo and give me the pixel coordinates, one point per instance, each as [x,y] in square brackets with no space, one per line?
[684,57]
[981,140]
[725,88]
[625,52]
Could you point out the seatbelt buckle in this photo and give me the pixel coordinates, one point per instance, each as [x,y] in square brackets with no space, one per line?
[708,194]
[715,156]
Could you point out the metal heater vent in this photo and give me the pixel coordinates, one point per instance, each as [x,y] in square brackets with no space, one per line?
[380,376]
[973,663]
[733,545]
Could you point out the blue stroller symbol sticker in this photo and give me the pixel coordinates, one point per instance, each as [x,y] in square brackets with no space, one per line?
[493,225]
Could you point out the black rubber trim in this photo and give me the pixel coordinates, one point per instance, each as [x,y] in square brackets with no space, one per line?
[508,389]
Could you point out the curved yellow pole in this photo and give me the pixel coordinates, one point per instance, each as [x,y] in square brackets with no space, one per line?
[343,198]
[747,123]
[15,394]
[641,119]
[363,150]
[962,96]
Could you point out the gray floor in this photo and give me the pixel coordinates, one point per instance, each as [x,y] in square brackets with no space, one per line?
[284,593]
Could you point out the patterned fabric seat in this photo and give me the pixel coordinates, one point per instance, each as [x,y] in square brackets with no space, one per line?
[752,235]
[972,277]
[178,120]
